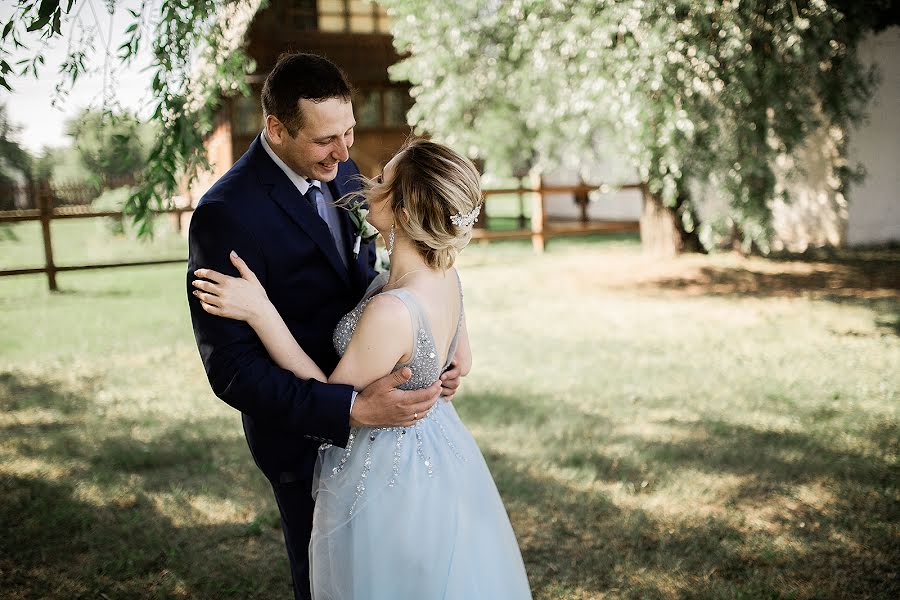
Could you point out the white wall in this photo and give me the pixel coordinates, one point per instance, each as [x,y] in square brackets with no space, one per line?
[614,205]
[874,206]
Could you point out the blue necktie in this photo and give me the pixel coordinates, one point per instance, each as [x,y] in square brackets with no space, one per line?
[317,200]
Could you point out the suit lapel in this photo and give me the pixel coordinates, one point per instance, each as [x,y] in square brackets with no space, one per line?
[357,273]
[286,195]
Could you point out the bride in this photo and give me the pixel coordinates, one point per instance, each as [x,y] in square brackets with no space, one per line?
[408,512]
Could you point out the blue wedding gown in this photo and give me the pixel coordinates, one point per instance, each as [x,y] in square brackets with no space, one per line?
[411,513]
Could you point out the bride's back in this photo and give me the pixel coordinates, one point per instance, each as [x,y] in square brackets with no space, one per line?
[440,302]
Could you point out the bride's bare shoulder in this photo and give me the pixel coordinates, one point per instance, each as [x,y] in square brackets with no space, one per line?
[385,311]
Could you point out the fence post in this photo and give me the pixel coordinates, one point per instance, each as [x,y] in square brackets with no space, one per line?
[538,213]
[45,205]
[521,198]
[582,199]
[482,222]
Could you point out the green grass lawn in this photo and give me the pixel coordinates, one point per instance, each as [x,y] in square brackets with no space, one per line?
[84,241]
[701,427]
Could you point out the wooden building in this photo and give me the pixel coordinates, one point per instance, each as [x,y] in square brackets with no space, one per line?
[354,34]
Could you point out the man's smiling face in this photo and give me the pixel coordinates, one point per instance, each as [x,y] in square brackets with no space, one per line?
[322,142]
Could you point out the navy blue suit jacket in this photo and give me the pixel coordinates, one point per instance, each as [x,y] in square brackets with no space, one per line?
[255,210]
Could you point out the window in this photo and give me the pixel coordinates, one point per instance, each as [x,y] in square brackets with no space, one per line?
[301,15]
[357,16]
[396,104]
[246,117]
[381,107]
[367,106]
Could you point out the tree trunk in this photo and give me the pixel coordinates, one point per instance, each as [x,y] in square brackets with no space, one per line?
[662,230]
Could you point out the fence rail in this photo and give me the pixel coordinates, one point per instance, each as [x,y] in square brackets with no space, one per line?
[68,202]
[540,230]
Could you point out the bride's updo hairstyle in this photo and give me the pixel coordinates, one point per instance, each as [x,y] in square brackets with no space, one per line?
[433,183]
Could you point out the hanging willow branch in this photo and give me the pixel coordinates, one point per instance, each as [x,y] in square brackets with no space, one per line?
[197,61]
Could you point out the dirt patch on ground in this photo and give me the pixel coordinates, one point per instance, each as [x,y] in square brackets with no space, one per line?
[847,274]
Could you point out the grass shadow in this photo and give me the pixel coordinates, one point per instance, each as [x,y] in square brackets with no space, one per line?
[65,539]
[59,545]
[859,508]
[775,455]
[836,275]
[90,523]
[580,543]
[20,392]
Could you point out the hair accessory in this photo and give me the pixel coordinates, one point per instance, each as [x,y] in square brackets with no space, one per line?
[461,220]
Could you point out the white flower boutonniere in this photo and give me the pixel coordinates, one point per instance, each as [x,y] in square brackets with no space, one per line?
[363,230]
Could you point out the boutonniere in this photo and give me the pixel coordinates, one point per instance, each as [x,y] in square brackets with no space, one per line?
[363,230]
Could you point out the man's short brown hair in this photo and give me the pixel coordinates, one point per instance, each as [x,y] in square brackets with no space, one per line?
[299,76]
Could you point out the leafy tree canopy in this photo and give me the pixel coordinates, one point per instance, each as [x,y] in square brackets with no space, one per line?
[701,90]
[15,161]
[110,146]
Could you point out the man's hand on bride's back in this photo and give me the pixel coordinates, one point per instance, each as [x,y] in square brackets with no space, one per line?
[381,404]
[241,298]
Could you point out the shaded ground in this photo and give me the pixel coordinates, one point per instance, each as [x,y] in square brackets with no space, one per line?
[818,274]
[705,427]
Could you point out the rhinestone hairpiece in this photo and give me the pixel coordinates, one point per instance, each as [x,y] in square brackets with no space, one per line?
[461,220]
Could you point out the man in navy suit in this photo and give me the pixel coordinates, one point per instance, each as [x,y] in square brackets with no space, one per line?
[274,208]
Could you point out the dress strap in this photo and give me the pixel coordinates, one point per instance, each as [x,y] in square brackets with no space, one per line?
[379,282]
[416,312]
[453,342]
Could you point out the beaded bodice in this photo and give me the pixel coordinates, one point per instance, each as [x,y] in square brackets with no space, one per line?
[426,365]
[425,360]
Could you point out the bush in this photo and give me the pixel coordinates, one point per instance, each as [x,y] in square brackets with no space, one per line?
[113,200]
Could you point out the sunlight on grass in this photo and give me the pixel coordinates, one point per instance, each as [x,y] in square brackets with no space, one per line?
[701,427]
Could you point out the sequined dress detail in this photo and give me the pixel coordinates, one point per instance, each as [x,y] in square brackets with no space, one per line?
[409,513]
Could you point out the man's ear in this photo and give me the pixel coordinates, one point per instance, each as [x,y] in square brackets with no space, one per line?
[275,130]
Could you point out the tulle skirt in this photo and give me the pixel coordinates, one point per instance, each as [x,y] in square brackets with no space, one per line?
[412,514]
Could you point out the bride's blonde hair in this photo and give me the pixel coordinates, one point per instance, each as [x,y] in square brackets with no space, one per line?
[431,184]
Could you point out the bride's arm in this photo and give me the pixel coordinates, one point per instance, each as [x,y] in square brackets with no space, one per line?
[374,349]
[463,355]
[244,298]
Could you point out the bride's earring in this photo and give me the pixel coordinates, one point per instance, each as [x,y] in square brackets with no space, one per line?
[390,248]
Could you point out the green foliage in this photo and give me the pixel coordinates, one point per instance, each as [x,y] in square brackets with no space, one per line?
[109,145]
[187,100]
[197,61]
[15,161]
[62,166]
[706,91]
[113,200]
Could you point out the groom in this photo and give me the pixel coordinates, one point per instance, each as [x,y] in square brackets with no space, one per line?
[275,208]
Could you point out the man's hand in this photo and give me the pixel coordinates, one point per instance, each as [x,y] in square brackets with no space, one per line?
[381,404]
[450,380]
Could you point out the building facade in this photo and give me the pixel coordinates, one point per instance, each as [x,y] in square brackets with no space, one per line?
[354,34]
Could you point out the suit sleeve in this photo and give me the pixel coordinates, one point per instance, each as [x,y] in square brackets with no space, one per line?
[237,365]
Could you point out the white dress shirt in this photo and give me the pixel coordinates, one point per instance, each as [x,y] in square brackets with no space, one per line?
[325,205]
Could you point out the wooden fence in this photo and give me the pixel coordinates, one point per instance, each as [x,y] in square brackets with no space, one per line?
[50,207]
[541,229]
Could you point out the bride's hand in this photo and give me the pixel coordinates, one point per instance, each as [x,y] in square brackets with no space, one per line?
[242,298]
